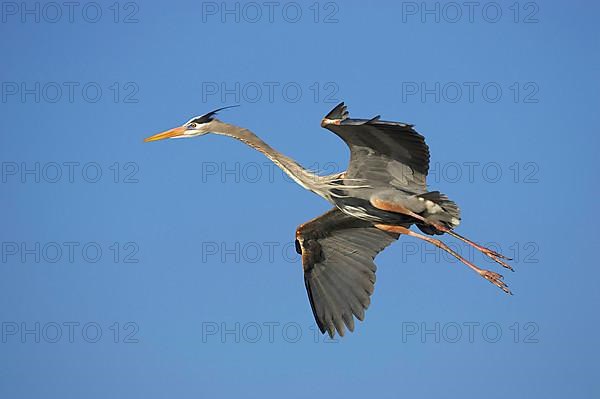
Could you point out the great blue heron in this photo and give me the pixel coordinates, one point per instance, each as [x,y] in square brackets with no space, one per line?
[377,199]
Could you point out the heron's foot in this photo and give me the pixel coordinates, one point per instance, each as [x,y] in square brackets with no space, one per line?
[501,262]
[496,257]
[495,279]
[492,254]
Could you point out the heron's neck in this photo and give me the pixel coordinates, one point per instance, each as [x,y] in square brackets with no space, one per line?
[303,177]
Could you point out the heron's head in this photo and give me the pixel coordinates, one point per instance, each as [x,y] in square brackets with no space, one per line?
[197,126]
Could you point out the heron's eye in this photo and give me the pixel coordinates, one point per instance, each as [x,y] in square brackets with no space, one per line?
[191,126]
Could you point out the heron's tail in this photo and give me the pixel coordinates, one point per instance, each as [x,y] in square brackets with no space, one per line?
[437,208]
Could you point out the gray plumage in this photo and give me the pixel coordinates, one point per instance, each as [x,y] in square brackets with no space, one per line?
[383,192]
[339,273]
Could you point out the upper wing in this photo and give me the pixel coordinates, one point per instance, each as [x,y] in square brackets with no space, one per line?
[337,256]
[388,153]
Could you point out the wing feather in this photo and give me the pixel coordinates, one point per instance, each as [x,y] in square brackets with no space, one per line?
[338,253]
[385,153]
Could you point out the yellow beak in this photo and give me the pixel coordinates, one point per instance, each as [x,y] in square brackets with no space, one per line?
[178,131]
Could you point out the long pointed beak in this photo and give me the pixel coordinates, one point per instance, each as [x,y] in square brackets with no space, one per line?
[178,131]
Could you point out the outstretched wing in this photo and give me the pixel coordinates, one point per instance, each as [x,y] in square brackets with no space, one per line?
[339,273]
[384,153]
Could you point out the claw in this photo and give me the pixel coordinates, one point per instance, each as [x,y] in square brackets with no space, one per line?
[495,279]
[496,257]
[501,262]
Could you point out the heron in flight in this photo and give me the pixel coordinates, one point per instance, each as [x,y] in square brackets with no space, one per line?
[381,195]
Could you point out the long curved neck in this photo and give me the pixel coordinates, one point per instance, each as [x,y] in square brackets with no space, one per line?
[303,177]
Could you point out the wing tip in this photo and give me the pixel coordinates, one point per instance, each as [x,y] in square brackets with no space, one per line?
[340,112]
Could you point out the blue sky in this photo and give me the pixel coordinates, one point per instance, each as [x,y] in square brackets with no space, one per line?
[166,269]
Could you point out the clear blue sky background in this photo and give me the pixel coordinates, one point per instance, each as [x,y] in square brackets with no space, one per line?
[181,209]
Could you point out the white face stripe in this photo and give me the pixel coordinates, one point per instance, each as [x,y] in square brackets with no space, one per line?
[198,129]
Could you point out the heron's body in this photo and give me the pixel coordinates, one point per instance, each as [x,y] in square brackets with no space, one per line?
[381,195]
